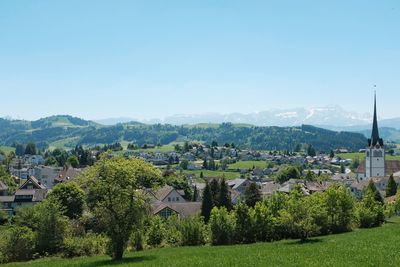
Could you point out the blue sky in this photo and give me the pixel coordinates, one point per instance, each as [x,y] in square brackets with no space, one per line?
[149,59]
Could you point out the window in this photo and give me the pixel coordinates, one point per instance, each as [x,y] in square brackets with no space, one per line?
[169,199]
[165,213]
[177,199]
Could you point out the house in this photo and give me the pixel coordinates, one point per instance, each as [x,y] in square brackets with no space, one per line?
[3,189]
[239,185]
[67,174]
[7,204]
[22,173]
[168,194]
[182,210]
[30,193]
[34,159]
[46,175]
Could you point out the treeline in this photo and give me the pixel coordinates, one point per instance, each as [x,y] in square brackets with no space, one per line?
[106,210]
[80,132]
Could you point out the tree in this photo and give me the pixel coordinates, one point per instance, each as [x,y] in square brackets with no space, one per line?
[224,196]
[369,211]
[114,195]
[310,176]
[222,225]
[342,169]
[339,205]
[19,150]
[244,231]
[332,154]
[17,244]
[371,188]
[252,195]
[290,172]
[51,226]
[73,161]
[207,203]
[195,194]
[70,197]
[215,190]
[311,151]
[391,187]
[30,149]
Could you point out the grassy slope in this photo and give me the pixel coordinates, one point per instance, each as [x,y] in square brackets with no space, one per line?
[374,247]
[361,156]
[248,164]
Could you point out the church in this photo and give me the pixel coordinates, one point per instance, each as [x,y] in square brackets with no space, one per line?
[375,164]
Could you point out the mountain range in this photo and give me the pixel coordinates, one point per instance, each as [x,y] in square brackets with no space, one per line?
[330,117]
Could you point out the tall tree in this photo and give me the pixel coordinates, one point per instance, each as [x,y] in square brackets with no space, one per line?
[252,195]
[207,203]
[195,194]
[114,195]
[30,149]
[70,197]
[371,188]
[391,187]
[224,196]
[215,189]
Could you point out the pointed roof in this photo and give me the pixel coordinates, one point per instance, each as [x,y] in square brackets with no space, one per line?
[375,139]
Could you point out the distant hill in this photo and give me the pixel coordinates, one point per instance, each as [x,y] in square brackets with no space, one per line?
[67,131]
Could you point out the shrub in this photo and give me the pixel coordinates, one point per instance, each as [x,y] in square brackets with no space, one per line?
[222,225]
[88,245]
[137,240]
[16,244]
[264,222]
[193,231]
[173,236]
[244,231]
[156,231]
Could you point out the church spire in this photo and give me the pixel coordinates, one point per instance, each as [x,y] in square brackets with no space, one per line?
[375,139]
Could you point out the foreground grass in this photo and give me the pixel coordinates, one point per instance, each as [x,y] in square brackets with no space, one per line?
[373,247]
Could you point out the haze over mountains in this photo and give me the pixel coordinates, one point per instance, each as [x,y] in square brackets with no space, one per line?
[330,117]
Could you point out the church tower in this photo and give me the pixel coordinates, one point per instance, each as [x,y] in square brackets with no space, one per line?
[375,152]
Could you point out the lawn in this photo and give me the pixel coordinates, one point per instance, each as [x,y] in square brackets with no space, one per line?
[248,164]
[7,149]
[214,174]
[361,156]
[373,247]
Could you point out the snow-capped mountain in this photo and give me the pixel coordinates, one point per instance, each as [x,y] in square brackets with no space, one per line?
[321,116]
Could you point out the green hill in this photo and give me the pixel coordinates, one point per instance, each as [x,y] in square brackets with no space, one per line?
[66,131]
[373,247]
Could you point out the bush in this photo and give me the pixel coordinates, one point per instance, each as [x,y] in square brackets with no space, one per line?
[222,225]
[370,212]
[88,245]
[173,236]
[137,240]
[16,244]
[264,222]
[193,231]
[156,231]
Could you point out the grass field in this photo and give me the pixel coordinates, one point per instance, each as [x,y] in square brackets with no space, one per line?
[7,149]
[373,247]
[248,164]
[361,156]
[207,173]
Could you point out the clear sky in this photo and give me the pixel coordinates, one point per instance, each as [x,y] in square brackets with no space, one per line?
[149,59]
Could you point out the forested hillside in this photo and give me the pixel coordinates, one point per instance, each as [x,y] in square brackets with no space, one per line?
[70,131]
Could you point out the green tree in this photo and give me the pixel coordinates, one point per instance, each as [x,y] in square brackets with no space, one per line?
[114,195]
[339,205]
[290,172]
[332,154]
[16,244]
[215,190]
[252,195]
[222,226]
[244,231]
[311,151]
[73,161]
[195,194]
[371,188]
[51,226]
[70,197]
[263,222]
[369,211]
[391,187]
[224,196]
[207,203]
[30,149]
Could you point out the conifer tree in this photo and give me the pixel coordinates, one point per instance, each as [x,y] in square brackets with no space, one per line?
[391,188]
[252,195]
[207,203]
[225,196]
[215,189]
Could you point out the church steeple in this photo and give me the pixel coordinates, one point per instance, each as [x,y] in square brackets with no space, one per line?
[375,139]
